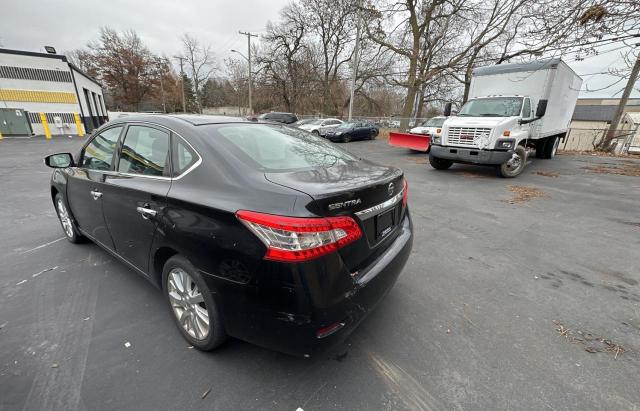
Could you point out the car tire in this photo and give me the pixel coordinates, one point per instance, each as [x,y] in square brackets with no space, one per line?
[440,163]
[514,166]
[346,139]
[316,133]
[192,305]
[551,147]
[67,221]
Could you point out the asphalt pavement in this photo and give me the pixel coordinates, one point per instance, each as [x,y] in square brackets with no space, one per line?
[519,294]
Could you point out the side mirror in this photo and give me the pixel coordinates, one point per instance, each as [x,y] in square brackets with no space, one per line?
[541,109]
[447,109]
[59,160]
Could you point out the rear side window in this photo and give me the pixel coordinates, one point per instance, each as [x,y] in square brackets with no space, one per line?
[99,152]
[275,147]
[145,151]
[183,157]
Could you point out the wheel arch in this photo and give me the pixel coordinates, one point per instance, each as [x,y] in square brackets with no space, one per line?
[160,257]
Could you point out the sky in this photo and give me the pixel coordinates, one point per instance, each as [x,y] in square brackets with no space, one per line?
[70,24]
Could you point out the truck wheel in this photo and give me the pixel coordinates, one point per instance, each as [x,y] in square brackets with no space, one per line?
[551,148]
[440,163]
[514,166]
[540,145]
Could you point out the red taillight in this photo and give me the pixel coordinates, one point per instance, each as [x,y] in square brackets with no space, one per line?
[327,331]
[300,239]
[405,194]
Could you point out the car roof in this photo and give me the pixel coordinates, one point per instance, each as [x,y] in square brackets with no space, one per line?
[181,119]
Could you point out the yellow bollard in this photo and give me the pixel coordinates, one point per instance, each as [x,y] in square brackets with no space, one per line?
[1,136]
[78,125]
[45,125]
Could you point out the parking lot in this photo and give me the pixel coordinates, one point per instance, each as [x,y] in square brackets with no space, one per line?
[520,294]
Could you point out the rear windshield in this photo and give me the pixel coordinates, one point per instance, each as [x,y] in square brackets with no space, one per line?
[275,147]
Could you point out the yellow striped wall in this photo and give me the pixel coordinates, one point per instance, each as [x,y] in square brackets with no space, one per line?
[38,96]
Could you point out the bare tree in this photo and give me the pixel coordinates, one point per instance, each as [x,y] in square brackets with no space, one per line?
[200,64]
[283,59]
[332,27]
[431,37]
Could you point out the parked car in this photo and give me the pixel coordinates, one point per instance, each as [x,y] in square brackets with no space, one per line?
[258,231]
[286,118]
[320,125]
[357,130]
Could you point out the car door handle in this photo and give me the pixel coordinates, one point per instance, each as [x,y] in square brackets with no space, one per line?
[146,212]
[96,194]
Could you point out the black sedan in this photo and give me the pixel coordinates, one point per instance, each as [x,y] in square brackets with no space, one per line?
[257,231]
[346,132]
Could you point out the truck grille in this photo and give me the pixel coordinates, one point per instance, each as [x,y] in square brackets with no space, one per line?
[466,136]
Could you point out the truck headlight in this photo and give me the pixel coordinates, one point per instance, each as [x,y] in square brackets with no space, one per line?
[505,144]
[437,139]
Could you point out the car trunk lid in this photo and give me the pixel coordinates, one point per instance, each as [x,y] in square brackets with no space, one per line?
[367,192]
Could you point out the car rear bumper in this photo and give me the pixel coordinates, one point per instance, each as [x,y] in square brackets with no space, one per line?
[296,333]
[470,155]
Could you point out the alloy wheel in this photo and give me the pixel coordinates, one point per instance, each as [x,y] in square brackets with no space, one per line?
[188,304]
[65,220]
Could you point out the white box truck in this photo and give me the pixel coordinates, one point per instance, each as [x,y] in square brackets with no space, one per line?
[513,109]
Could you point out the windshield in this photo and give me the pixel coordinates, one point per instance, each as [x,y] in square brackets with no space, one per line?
[434,122]
[345,125]
[315,122]
[276,147]
[492,107]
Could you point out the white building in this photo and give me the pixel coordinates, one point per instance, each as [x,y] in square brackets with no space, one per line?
[32,84]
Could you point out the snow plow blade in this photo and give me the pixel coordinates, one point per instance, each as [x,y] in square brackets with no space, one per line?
[418,142]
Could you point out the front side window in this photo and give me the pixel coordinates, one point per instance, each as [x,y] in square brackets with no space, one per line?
[98,154]
[492,107]
[145,151]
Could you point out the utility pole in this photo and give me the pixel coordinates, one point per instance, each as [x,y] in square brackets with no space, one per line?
[249,35]
[161,71]
[184,102]
[356,51]
[611,134]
